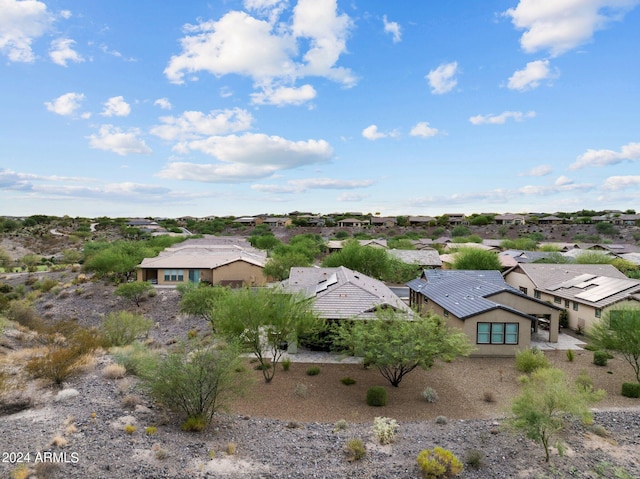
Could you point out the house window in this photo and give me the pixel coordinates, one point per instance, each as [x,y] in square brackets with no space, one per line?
[556,299]
[446,313]
[173,275]
[497,333]
[598,312]
[523,289]
[575,306]
[566,303]
[536,294]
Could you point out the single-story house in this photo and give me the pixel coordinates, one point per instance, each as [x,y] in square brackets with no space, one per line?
[337,245]
[386,222]
[498,319]
[226,261]
[585,291]
[276,221]
[352,223]
[550,220]
[510,219]
[340,293]
[421,220]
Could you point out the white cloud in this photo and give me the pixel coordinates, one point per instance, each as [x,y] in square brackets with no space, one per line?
[163,103]
[62,52]
[442,79]
[559,26]
[423,130]
[298,186]
[116,106]
[267,51]
[563,181]
[21,23]
[110,138]
[372,133]
[284,96]
[541,170]
[616,183]
[246,157]
[266,8]
[531,76]
[501,118]
[195,124]
[351,197]
[65,105]
[393,28]
[629,152]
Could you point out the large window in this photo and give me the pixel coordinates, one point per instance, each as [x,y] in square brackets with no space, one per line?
[173,275]
[497,333]
[536,294]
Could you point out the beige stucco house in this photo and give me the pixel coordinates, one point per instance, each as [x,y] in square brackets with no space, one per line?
[498,319]
[585,291]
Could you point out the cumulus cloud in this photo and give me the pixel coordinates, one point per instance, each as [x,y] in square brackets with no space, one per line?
[284,95]
[116,106]
[393,28]
[195,124]
[110,138]
[442,79]
[531,76]
[616,183]
[266,8]
[541,170]
[561,26]
[246,157]
[300,185]
[423,130]
[62,52]
[163,103]
[351,197]
[21,23]
[65,105]
[629,152]
[563,181]
[371,133]
[501,118]
[271,53]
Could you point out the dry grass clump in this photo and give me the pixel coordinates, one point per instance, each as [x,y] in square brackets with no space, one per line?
[130,401]
[114,371]
[59,441]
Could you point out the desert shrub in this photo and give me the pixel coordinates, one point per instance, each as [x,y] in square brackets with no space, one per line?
[355,449]
[300,390]
[262,366]
[631,390]
[600,358]
[20,472]
[57,365]
[489,396]
[23,313]
[194,424]
[45,285]
[377,396]
[599,430]
[130,401]
[563,318]
[529,360]
[474,459]
[135,357]
[150,430]
[286,364]
[438,463]
[46,470]
[340,425]
[347,381]
[114,371]
[313,371]
[130,428]
[429,394]
[231,448]
[584,382]
[384,429]
[59,441]
[441,420]
[570,355]
[122,328]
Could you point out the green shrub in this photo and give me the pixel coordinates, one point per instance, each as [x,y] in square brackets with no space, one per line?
[136,358]
[430,395]
[384,429]
[528,360]
[356,449]
[348,381]
[442,420]
[584,382]
[570,355]
[631,390]
[600,358]
[23,313]
[313,371]
[122,328]
[286,364]
[340,425]
[150,430]
[438,463]
[474,459]
[57,365]
[194,424]
[377,396]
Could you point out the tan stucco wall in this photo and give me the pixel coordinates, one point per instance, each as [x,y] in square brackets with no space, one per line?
[250,274]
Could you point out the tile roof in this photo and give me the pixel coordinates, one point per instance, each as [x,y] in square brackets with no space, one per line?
[426,257]
[341,293]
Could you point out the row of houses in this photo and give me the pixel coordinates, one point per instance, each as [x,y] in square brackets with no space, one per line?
[499,311]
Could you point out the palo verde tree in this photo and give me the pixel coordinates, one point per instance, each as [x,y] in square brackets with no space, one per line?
[474,258]
[397,343]
[134,291]
[546,402]
[264,319]
[200,299]
[619,330]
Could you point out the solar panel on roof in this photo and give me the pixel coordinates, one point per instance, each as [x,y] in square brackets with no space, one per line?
[573,281]
[606,287]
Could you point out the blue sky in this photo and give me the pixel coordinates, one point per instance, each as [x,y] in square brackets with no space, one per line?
[163,108]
